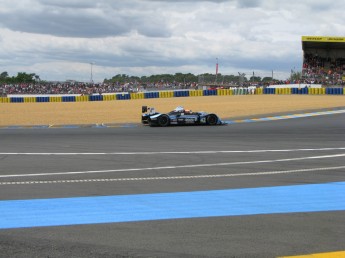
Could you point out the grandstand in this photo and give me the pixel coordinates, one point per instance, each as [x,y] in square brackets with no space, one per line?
[324,60]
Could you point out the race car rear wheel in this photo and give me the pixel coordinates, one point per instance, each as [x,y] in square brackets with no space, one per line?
[212,119]
[163,120]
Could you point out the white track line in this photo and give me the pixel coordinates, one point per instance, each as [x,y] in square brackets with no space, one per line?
[173,167]
[161,152]
[171,177]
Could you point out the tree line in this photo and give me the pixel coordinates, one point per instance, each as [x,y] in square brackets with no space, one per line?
[185,78]
[19,78]
[205,78]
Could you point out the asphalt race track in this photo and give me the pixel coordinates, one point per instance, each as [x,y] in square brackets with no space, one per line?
[264,189]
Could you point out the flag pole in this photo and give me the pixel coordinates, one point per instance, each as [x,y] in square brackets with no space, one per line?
[216,70]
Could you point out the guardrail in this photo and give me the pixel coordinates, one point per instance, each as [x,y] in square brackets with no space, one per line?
[174,94]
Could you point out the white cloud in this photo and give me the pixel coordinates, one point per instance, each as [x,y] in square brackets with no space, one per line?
[57,39]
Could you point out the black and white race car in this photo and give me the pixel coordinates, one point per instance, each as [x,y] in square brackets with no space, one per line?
[179,116]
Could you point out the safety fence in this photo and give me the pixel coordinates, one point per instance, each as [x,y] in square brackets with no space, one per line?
[175,94]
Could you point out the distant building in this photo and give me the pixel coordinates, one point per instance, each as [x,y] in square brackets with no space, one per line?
[324,60]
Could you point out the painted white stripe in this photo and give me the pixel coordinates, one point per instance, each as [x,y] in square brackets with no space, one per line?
[162,152]
[173,167]
[171,177]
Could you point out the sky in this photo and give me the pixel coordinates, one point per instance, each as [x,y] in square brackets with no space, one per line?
[89,39]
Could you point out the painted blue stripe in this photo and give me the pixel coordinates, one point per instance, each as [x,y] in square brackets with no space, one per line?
[126,208]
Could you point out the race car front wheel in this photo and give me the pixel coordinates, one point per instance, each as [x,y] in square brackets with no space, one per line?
[163,120]
[212,119]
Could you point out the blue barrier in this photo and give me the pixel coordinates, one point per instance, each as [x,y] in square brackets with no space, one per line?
[17,99]
[151,95]
[68,98]
[181,93]
[210,92]
[42,99]
[335,91]
[269,91]
[299,91]
[123,96]
[96,98]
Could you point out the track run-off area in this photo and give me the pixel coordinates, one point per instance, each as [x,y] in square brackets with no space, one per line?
[273,188]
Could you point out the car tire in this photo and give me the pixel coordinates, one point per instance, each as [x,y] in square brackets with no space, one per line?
[163,120]
[212,119]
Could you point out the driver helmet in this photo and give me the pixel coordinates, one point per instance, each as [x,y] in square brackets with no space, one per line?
[179,109]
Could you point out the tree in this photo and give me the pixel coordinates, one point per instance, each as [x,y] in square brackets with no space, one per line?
[295,76]
[266,79]
[4,75]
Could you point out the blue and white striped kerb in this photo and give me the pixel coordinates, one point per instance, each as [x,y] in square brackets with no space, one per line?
[273,118]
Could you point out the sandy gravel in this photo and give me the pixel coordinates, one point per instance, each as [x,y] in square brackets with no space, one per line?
[129,111]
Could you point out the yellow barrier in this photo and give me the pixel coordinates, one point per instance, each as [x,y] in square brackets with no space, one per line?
[29,99]
[109,97]
[316,91]
[55,99]
[138,95]
[166,94]
[259,91]
[4,100]
[283,91]
[81,98]
[287,91]
[162,94]
[196,93]
[224,92]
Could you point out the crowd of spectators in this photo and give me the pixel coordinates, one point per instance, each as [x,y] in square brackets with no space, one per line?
[322,70]
[84,88]
[316,70]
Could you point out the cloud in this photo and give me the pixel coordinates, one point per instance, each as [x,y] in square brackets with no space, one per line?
[84,19]
[159,36]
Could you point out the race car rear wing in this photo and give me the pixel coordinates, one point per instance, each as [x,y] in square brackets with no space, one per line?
[145,109]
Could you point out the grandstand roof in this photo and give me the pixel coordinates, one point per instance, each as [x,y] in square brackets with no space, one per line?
[320,42]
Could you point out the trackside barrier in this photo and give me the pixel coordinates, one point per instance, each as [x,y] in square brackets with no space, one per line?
[17,100]
[240,91]
[195,93]
[109,97]
[81,98]
[166,94]
[181,93]
[68,98]
[138,95]
[96,98]
[224,92]
[42,99]
[210,93]
[151,95]
[29,99]
[312,91]
[299,91]
[259,91]
[124,96]
[171,94]
[55,99]
[335,91]
[269,91]
[283,91]
[4,100]
[316,91]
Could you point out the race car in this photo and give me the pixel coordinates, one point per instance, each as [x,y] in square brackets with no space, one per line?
[179,116]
